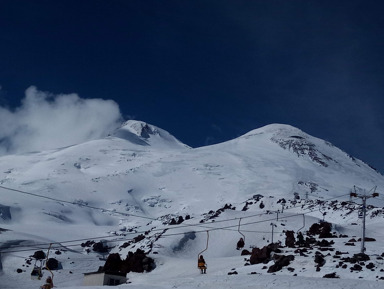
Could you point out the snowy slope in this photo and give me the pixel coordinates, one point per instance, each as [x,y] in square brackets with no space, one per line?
[140,177]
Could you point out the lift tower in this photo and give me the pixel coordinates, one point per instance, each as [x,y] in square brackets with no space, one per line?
[363,195]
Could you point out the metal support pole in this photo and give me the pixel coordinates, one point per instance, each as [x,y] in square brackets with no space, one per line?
[364,198]
[273,225]
[364,214]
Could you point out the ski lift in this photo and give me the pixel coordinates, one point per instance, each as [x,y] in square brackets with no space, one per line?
[241,242]
[202,265]
[360,213]
[36,273]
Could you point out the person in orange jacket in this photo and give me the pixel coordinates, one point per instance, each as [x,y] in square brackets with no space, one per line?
[202,265]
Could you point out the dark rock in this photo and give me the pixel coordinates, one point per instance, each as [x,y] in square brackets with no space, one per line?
[173,222]
[245,252]
[331,275]
[368,239]
[125,245]
[323,229]
[309,241]
[356,267]
[300,239]
[99,247]
[349,260]
[180,220]
[263,255]
[52,264]
[361,257]
[113,264]
[281,261]
[290,239]
[19,271]
[245,208]
[319,260]
[39,255]
[87,244]
[370,266]
[137,262]
[233,273]
[138,238]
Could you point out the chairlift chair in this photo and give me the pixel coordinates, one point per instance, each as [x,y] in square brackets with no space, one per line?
[200,266]
[360,214]
[241,242]
[36,273]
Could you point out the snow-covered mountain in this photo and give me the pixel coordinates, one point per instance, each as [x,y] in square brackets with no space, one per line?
[141,180]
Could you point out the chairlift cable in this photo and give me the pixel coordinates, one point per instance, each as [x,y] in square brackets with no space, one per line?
[126,214]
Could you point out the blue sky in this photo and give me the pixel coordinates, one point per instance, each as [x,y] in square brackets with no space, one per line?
[206,71]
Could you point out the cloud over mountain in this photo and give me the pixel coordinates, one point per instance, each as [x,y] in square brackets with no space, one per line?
[46,121]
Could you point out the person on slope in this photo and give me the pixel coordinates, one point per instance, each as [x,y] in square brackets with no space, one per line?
[48,283]
[240,244]
[202,265]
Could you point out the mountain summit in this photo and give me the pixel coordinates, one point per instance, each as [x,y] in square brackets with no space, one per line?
[142,133]
[303,145]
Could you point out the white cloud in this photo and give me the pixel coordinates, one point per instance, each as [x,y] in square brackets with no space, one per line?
[46,121]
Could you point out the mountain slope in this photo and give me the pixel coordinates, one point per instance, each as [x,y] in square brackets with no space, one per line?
[141,177]
[151,173]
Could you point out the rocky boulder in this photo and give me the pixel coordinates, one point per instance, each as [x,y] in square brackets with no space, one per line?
[263,255]
[135,262]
